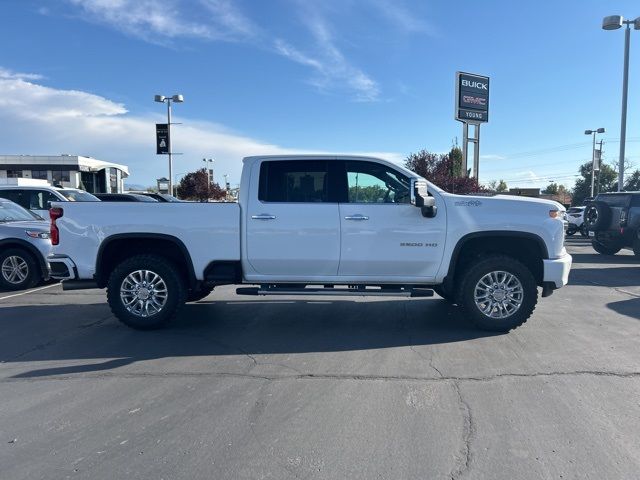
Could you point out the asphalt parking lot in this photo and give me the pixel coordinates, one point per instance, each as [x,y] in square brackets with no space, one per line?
[243,387]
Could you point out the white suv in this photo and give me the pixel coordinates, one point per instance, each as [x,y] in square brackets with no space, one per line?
[38,199]
[575,217]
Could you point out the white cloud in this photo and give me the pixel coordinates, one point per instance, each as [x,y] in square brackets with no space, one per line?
[157,20]
[165,21]
[332,68]
[42,120]
[491,156]
[402,18]
[8,74]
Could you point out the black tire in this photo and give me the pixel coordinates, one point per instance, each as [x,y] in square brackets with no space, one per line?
[583,230]
[604,249]
[636,247]
[597,216]
[470,279]
[27,265]
[199,293]
[176,291]
[571,229]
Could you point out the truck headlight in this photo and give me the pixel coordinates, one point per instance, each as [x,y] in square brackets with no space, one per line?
[38,234]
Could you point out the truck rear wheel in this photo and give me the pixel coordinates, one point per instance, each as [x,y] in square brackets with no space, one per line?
[145,292]
[497,293]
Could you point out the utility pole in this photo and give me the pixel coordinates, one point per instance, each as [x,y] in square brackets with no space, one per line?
[601,142]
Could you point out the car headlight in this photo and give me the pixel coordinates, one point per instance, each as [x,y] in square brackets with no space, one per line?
[38,234]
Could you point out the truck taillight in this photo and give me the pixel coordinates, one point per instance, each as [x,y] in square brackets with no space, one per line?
[55,213]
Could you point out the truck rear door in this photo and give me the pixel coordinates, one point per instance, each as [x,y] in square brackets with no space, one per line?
[293,224]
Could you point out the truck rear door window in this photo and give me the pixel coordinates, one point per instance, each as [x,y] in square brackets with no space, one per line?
[295,181]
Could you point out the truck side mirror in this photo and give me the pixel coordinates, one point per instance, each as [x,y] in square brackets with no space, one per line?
[420,198]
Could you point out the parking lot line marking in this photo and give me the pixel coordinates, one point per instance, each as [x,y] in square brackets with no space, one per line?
[29,291]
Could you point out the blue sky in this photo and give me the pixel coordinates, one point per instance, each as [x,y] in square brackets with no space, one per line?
[354,76]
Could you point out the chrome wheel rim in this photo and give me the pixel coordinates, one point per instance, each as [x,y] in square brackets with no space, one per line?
[498,294]
[15,269]
[143,293]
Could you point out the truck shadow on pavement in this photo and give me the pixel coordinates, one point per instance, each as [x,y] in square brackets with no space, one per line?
[76,333]
[630,308]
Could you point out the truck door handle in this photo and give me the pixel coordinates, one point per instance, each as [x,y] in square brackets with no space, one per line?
[263,216]
[356,217]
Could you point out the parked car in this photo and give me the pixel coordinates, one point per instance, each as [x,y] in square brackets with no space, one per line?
[161,197]
[24,246]
[575,217]
[326,222]
[38,199]
[613,221]
[124,197]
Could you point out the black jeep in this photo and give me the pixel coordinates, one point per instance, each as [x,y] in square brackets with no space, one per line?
[613,221]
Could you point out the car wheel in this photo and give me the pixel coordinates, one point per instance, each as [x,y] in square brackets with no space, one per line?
[497,293]
[583,230]
[604,249]
[571,230]
[636,247]
[146,292]
[18,269]
[199,293]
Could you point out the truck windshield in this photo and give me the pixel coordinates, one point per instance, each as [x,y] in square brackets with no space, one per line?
[10,212]
[78,196]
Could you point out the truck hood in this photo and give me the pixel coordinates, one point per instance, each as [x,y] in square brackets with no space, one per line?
[506,201]
[25,225]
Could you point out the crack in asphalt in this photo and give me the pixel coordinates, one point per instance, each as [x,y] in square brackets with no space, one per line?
[324,376]
[468,432]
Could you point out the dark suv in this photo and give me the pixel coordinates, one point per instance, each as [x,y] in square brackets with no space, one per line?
[613,221]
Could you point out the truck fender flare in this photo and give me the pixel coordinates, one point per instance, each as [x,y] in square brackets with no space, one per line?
[455,255]
[146,236]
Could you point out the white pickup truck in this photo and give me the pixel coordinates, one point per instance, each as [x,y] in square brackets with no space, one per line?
[317,225]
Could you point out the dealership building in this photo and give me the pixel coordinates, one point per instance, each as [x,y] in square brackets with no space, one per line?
[71,171]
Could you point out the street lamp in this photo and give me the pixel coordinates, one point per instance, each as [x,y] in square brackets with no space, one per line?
[168,100]
[614,22]
[209,169]
[593,154]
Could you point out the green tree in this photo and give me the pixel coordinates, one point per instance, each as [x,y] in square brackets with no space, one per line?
[551,189]
[607,179]
[196,186]
[498,186]
[633,182]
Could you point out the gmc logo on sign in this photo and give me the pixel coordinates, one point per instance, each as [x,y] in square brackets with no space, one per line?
[474,100]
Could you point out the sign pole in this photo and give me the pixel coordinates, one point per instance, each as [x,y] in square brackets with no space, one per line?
[476,153]
[169,145]
[465,147]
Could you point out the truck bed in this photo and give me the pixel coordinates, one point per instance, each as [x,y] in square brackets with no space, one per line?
[209,231]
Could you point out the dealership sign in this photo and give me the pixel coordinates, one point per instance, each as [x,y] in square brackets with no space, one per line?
[472,98]
[162,138]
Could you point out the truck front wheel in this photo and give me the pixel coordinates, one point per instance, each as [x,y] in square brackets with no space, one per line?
[145,292]
[497,293]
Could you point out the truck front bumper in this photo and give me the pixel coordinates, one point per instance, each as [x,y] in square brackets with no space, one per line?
[556,270]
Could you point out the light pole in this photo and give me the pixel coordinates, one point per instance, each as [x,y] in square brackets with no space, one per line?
[614,22]
[208,164]
[168,100]
[593,155]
